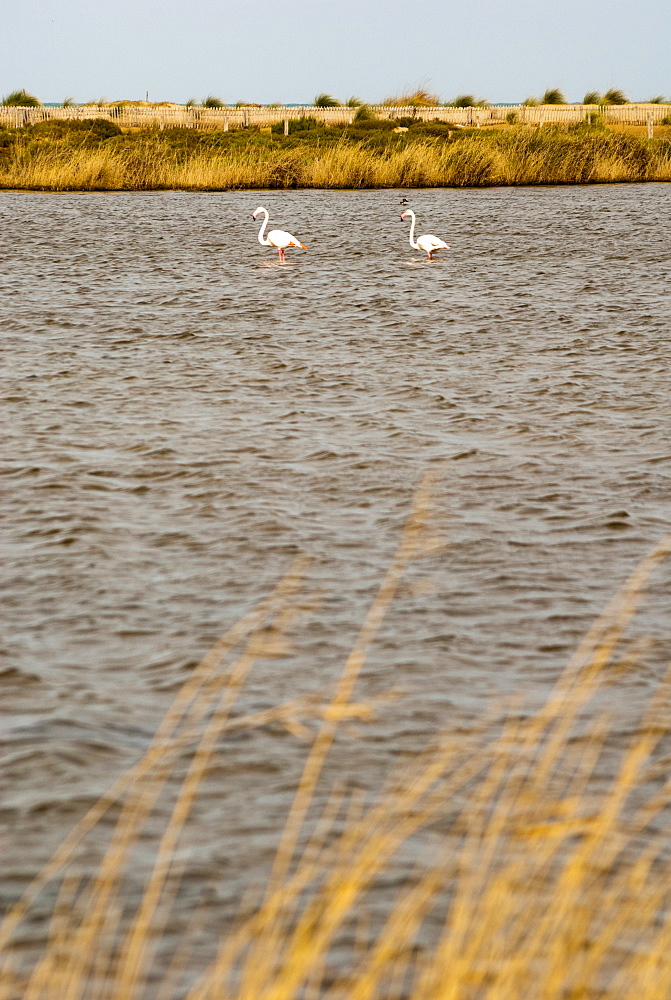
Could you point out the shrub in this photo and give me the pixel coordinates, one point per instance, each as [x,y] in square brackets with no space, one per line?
[530,102]
[364,114]
[21,99]
[304,124]
[592,97]
[300,126]
[212,102]
[594,119]
[93,128]
[512,117]
[353,102]
[435,128]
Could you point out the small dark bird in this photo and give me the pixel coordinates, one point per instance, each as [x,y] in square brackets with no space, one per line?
[404,201]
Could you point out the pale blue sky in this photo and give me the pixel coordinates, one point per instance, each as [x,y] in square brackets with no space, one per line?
[289,50]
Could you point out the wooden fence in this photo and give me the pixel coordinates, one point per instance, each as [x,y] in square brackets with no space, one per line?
[129,116]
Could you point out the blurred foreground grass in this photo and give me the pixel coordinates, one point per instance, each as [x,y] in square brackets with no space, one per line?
[48,156]
[543,873]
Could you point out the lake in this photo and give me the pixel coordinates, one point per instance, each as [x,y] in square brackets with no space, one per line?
[183,415]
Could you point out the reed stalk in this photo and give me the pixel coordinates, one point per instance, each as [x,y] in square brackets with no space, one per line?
[540,840]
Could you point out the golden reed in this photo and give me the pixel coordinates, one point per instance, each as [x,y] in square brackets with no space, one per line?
[540,858]
[521,156]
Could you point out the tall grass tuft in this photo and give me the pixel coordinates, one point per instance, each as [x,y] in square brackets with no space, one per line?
[553,96]
[21,99]
[468,101]
[212,102]
[615,96]
[326,101]
[418,98]
[527,857]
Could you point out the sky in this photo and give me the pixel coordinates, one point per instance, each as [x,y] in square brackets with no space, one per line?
[287,51]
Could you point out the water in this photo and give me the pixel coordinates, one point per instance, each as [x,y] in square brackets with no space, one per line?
[182,415]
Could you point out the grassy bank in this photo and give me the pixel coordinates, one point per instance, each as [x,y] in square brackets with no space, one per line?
[54,157]
[526,858]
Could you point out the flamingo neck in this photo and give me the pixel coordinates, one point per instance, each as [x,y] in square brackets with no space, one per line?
[412,231]
[262,241]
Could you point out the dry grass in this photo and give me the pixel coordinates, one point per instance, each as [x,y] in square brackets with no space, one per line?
[515,156]
[420,97]
[542,845]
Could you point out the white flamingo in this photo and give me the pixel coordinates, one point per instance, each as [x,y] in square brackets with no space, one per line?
[427,243]
[276,237]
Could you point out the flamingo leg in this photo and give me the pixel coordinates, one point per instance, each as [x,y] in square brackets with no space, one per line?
[280,252]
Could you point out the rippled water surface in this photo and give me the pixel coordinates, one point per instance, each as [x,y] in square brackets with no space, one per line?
[182,414]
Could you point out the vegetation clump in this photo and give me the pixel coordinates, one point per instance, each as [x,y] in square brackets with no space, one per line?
[326,101]
[468,101]
[95,129]
[212,102]
[614,96]
[21,99]
[364,113]
[419,98]
[553,96]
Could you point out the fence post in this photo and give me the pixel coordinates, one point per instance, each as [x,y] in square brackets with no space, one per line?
[650,125]
[286,126]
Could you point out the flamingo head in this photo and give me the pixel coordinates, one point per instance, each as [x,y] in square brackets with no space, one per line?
[257,212]
[406,215]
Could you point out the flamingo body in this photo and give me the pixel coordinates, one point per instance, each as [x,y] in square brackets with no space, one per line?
[429,244]
[276,237]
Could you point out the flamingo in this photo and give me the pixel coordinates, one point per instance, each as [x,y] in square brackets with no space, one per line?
[430,244]
[276,237]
